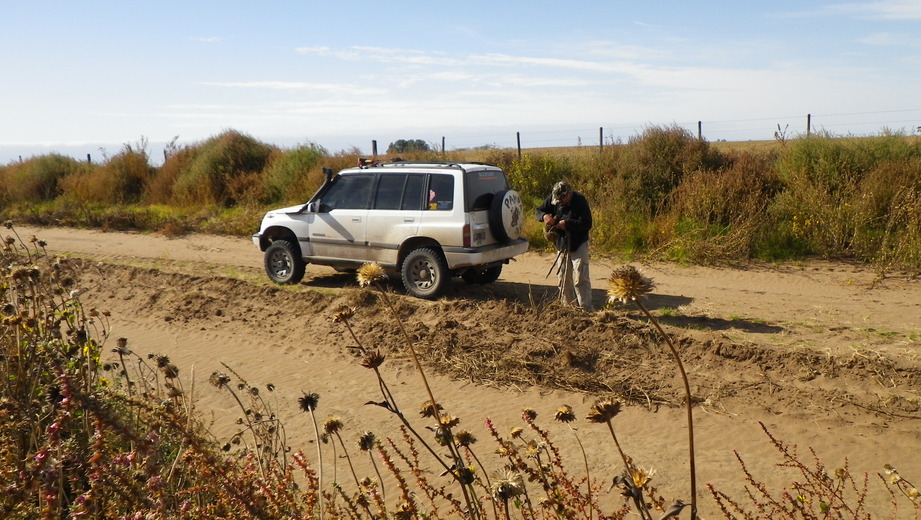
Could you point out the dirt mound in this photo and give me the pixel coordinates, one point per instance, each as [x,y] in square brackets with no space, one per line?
[506,343]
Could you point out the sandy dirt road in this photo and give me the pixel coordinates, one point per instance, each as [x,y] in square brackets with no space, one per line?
[205,302]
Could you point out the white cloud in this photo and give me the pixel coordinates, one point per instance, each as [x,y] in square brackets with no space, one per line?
[904,10]
[889,39]
[337,88]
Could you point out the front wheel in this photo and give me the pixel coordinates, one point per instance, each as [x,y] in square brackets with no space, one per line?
[425,273]
[283,263]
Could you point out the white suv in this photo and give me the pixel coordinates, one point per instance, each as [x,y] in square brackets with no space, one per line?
[426,221]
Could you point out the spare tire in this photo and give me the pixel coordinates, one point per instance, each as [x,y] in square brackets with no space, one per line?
[506,216]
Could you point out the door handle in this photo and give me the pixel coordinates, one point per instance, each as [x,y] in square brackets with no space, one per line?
[356,219]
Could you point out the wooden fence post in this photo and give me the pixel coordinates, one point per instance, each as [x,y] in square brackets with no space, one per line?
[600,138]
[808,124]
[374,148]
[518,138]
[700,131]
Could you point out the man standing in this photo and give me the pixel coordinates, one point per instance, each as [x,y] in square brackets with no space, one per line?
[567,213]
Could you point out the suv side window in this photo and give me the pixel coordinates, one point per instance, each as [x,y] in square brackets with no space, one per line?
[389,191]
[412,196]
[400,192]
[348,192]
[441,192]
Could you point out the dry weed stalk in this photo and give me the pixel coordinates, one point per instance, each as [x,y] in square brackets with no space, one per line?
[627,284]
[816,494]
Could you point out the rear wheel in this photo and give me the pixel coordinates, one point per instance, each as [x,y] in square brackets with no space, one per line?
[482,276]
[283,263]
[425,273]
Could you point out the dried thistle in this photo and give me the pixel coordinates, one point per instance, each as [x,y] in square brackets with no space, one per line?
[627,284]
[603,411]
[308,402]
[372,359]
[464,438]
[366,441]
[640,476]
[529,414]
[430,409]
[343,313]
[448,421]
[219,379]
[332,425]
[370,273]
[564,414]
[508,487]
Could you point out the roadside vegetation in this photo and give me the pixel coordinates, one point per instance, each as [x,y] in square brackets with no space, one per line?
[663,195]
[90,428]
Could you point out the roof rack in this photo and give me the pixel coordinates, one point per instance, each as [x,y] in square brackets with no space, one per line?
[367,163]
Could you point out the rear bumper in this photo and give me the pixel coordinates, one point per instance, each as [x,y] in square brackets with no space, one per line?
[496,254]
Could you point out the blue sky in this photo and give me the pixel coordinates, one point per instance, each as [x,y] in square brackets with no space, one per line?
[80,76]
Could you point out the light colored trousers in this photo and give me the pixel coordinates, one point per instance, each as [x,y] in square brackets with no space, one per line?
[575,282]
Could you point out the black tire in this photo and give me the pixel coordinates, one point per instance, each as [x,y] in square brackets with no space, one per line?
[283,263]
[425,273]
[506,216]
[482,276]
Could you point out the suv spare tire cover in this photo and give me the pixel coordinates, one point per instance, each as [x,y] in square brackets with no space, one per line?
[506,216]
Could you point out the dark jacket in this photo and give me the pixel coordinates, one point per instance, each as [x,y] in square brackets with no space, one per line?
[577,214]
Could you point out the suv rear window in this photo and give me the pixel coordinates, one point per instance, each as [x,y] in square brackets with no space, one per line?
[481,186]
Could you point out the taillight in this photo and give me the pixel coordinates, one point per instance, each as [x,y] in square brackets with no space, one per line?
[466,235]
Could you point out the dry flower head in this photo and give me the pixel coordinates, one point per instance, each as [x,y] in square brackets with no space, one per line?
[603,411]
[627,284]
[369,273]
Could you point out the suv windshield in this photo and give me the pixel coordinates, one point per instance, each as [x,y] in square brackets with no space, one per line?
[481,186]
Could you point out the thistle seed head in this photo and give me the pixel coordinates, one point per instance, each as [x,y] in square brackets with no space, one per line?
[370,273]
[219,379]
[603,411]
[366,441]
[508,487]
[640,476]
[627,284]
[332,425]
[464,438]
[449,422]
[430,409]
[564,414]
[372,359]
[308,402]
[343,313]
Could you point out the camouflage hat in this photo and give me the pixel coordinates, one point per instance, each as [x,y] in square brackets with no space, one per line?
[560,190]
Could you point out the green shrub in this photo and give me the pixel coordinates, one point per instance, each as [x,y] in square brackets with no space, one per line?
[120,180]
[225,170]
[161,189]
[38,178]
[533,175]
[655,162]
[716,215]
[286,178]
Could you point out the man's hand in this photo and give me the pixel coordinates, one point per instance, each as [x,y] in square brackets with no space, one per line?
[548,219]
[561,225]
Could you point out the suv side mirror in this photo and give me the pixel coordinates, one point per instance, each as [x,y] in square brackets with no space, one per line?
[313,207]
